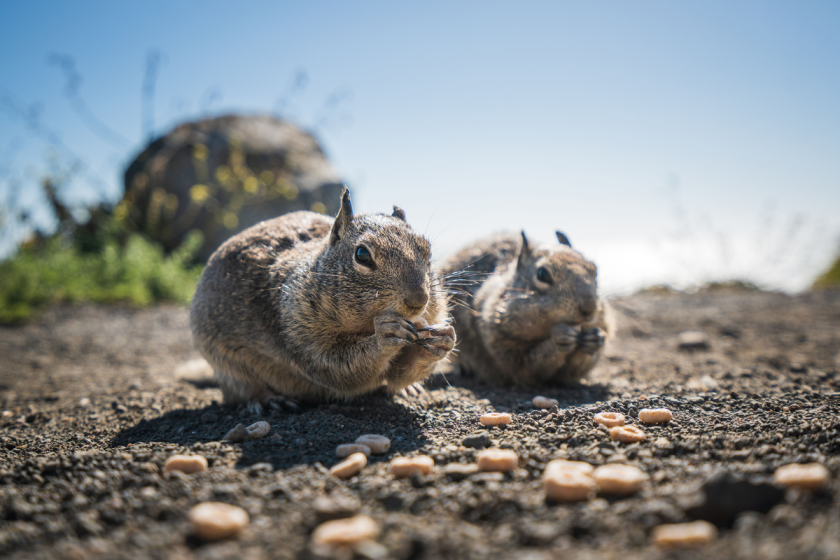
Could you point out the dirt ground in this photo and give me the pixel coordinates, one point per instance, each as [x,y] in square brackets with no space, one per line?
[92,409]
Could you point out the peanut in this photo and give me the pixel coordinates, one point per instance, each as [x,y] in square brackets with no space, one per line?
[213,521]
[545,402]
[497,460]
[495,418]
[377,444]
[258,430]
[809,476]
[567,481]
[619,479]
[351,466]
[187,464]
[348,449]
[684,535]
[655,415]
[579,466]
[610,419]
[627,434]
[406,466]
[345,532]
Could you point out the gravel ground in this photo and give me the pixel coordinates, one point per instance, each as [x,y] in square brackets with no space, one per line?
[92,409]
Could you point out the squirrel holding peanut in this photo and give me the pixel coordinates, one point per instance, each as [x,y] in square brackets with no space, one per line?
[304,307]
[527,315]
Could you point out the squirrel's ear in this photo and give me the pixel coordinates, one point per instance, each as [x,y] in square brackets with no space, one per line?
[342,220]
[399,213]
[561,237]
[524,252]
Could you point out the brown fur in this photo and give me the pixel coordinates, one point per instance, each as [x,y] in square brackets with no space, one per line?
[516,330]
[283,309]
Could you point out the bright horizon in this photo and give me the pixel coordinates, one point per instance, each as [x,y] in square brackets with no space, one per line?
[673,143]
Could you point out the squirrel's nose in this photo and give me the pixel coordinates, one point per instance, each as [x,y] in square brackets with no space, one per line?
[416,299]
[588,305]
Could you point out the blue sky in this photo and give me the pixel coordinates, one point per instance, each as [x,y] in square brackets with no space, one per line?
[672,141]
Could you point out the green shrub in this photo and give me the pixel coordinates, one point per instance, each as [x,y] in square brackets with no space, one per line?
[58,270]
[830,278]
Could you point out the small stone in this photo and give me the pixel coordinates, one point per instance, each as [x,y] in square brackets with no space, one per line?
[187,464]
[347,449]
[692,340]
[407,466]
[684,535]
[213,521]
[459,471]
[725,495]
[237,435]
[377,444]
[84,401]
[335,507]
[8,414]
[497,460]
[477,440]
[349,467]
[662,442]
[811,476]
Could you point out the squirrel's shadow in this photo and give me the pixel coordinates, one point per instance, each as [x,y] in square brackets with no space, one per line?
[307,437]
[518,399]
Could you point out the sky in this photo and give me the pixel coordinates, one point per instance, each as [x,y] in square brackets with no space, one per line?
[673,142]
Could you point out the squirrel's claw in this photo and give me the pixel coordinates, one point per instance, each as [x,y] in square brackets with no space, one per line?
[282,404]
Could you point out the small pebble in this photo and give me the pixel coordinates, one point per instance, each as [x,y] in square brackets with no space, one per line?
[377,444]
[7,414]
[187,464]
[693,340]
[459,471]
[655,415]
[237,435]
[351,466]
[809,476]
[258,430]
[564,481]
[477,440]
[496,418]
[406,466]
[619,479]
[545,402]
[627,434]
[497,460]
[213,521]
[347,449]
[345,532]
[610,419]
[684,535]
[662,442]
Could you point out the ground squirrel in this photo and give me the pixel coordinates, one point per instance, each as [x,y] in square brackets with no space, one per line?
[307,308]
[530,315]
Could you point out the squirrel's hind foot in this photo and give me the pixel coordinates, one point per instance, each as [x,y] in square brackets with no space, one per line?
[277,403]
[413,390]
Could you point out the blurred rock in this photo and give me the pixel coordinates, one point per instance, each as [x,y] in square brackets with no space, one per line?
[693,340]
[223,175]
[724,496]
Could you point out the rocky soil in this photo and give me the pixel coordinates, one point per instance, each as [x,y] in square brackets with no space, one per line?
[92,408]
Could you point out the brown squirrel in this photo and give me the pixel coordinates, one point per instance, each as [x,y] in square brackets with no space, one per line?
[526,315]
[306,308]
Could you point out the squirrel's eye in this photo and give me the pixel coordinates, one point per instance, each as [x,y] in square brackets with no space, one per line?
[543,275]
[363,256]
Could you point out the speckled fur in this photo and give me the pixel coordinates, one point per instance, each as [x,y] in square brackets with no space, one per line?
[516,330]
[284,310]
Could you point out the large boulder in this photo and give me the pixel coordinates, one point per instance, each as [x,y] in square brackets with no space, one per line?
[223,175]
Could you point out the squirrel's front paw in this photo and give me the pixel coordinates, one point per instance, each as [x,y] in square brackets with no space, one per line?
[437,340]
[395,331]
[592,340]
[565,337]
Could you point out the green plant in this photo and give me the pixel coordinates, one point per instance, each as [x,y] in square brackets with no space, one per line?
[830,278]
[57,269]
